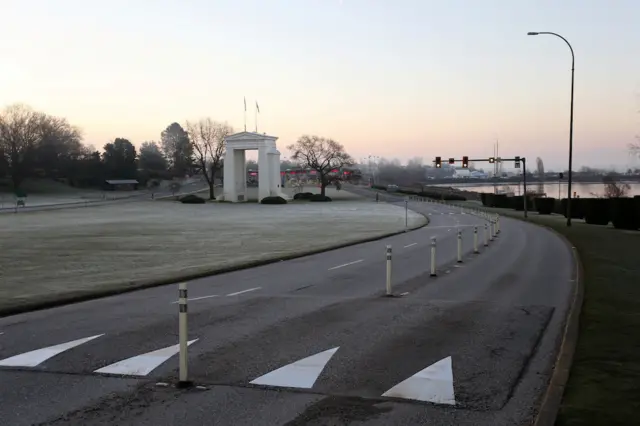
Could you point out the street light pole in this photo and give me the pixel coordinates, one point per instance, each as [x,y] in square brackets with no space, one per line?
[573,62]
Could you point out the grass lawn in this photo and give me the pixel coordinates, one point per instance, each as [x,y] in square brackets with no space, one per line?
[48,255]
[604,383]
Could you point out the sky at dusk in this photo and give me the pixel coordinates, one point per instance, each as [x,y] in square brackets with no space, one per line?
[401,78]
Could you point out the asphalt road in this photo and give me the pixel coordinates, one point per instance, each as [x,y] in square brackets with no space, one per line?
[311,341]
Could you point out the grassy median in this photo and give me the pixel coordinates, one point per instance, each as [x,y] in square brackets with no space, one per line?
[604,383]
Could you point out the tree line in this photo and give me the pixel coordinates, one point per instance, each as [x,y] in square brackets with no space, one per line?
[35,144]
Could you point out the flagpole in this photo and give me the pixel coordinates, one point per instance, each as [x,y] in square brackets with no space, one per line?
[256,116]
[245,114]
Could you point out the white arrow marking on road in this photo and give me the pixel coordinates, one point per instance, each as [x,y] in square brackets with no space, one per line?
[144,364]
[433,384]
[410,245]
[244,291]
[300,374]
[346,264]
[37,357]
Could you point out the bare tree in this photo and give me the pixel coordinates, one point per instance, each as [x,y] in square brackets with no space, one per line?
[20,132]
[322,155]
[540,171]
[634,148]
[207,138]
[613,188]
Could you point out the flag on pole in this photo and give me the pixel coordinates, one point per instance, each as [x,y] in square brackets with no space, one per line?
[257,107]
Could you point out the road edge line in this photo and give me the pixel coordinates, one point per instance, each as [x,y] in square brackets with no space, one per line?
[129,287]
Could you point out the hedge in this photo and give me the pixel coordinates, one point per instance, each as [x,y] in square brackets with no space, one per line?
[273,200]
[517,203]
[577,207]
[597,211]
[624,213]
[319,197]
[303,196]
[544,205]
[192,199]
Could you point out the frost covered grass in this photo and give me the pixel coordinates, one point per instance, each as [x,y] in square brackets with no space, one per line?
[51,254]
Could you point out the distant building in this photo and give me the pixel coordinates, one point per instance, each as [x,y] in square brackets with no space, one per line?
[461,174]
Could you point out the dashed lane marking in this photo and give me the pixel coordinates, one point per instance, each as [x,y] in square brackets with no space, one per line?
[346,264]
[244,291]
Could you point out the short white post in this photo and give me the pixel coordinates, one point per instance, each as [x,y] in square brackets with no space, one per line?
[475,239]
[491,229]
[183,334]
[486,235]
[497,224]
[406,215]
[459,246]
[433,256]
[388,270]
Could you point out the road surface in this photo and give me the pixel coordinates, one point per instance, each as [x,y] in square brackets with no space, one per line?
[311,341]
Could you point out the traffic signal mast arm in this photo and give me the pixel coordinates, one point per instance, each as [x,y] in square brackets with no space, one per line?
[488,159]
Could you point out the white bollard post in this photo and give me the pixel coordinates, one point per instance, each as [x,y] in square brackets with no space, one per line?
[183,334]
[433,256]
[406,215]
[475,239]
[388,270]
[497,224]
[486,235]
[491,229]
[459,246]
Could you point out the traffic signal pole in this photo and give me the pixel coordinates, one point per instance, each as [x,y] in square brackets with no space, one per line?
[524,181]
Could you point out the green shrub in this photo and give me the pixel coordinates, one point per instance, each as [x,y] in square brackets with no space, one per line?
[483,198]
[624,214]
[273,200]
[303,196]
[544,205]
[320,197]
[380,187]
[192,199]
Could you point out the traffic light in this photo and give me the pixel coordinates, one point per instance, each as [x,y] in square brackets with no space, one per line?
[465,162]
[517,161]
[561,175]
[452,161]
[492,160]
[438,162]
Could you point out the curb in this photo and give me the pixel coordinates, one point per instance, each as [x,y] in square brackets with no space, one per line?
[132,286]
[552,398]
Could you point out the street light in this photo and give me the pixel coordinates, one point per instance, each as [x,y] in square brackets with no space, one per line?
[573,62]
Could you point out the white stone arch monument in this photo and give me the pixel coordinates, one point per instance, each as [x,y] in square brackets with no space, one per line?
[235,166]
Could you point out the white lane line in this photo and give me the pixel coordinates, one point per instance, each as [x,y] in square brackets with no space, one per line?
[300,374]
[144,364]
[197,298]
[37,357]
[433,384]
[444,226]
[410,245]
[244,291]
[346,264]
